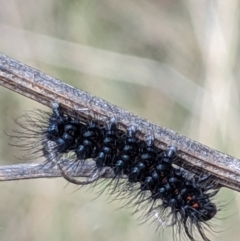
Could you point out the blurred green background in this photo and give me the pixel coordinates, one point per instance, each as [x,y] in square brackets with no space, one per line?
[174,62]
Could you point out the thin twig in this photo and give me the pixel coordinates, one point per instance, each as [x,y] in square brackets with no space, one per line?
[36,170]
[45,89]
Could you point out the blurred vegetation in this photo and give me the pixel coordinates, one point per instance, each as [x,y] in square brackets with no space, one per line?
[174,62]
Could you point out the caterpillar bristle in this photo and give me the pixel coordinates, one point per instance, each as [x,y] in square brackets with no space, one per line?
[154,185]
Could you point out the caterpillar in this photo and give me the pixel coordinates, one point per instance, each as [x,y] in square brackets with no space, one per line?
[155,185]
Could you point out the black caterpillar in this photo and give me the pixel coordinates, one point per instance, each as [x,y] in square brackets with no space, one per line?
[171,195]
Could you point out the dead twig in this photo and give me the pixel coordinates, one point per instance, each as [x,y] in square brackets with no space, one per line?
[41,170]
[45,89]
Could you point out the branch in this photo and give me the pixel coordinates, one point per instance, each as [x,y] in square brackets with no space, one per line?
[45,89]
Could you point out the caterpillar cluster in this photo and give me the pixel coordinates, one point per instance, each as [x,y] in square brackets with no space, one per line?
[155,185]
